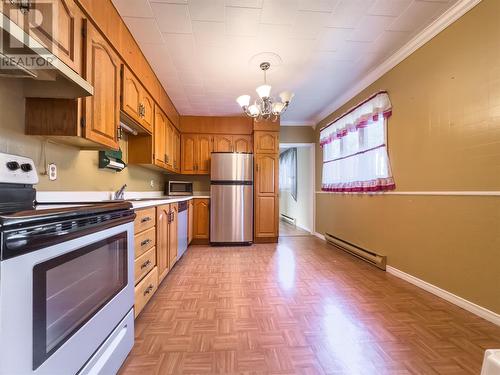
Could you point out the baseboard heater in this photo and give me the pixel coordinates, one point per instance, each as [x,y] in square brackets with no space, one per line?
[288,219]
[375,259]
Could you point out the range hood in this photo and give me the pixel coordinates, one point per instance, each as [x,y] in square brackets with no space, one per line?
[50,78]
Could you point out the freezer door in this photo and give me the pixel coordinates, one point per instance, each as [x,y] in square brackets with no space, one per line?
[226,166]
[231,213]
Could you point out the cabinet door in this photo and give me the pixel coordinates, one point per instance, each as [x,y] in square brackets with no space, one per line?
[169,142]
[173,234]
[201,219]
[242,143]
[102,110]
[223,143]
[190,220]
[266,174]
[177,151]
[148,110]
[266,142]
[188,153]
[159,139]
[266,216]
[162,240]
[131,95]
[204,148]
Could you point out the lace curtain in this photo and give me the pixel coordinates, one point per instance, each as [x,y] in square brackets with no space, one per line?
[355,157]
[288,171]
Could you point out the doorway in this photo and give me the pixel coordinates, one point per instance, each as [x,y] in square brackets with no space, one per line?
[296,189]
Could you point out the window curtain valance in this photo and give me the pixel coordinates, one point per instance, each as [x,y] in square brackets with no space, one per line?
[357,118]
[355,157]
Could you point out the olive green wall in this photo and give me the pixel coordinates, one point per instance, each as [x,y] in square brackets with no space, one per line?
[77,170]
[297,134]
[444,135]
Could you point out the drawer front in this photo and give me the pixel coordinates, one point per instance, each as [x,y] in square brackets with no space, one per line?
[144,219]
[144,264]
[145,290]
[144,241]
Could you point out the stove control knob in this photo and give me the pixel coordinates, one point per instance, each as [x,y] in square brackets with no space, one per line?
[13,165]
[26,167]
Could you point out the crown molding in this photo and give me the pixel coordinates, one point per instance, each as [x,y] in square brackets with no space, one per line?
[446,19]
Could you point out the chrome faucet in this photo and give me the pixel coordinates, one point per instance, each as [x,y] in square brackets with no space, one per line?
[120,193]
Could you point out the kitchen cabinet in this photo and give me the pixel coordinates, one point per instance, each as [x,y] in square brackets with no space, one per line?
[89,123]
[266,142]
[166,238]
[169,145]
[177,151]
[201,220]
[232,143]
[160,132]
[266,172]
[190,220]
[145,290]
[195,153]
[136,104]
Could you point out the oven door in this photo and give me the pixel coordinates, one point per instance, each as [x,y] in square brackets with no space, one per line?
[60,303]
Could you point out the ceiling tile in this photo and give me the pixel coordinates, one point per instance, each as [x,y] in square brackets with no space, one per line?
[242,21]
[172,18]
[279,12]
[332,38]
[145,30]
[416,14]
[318,5]
[133,8]
[348,13]
[309,24]
[389,7]
[211,33]
[203,10]
[244,3]
[370,28]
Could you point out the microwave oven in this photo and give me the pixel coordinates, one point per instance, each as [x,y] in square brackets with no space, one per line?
[180,188]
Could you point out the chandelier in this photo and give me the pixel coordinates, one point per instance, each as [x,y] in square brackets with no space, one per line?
[265,107]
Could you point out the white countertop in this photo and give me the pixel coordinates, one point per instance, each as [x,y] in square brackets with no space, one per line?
[160,201]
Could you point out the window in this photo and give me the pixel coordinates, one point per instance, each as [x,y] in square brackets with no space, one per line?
[288,171]
[355,157]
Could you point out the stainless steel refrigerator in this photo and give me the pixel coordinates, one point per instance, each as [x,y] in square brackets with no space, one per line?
[231,199]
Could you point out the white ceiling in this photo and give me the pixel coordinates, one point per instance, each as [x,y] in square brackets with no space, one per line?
[201,49]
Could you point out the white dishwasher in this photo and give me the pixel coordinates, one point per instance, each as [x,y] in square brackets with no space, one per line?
[182,229]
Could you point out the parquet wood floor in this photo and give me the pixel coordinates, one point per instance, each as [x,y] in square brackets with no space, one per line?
[300,307]
[289,230]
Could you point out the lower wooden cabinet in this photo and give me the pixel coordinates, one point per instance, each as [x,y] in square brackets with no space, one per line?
[145,263]
[166,238]
[201,220]
[145,290]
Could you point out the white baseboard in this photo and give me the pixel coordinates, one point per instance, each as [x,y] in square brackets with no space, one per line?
[303,228]
[320,236]
[450,297]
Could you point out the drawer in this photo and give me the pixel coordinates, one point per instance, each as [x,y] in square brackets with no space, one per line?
[145,290]
[144,264]
[144,219]
[144,241]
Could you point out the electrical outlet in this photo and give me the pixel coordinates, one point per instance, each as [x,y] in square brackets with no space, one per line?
[152,183]
[52,171]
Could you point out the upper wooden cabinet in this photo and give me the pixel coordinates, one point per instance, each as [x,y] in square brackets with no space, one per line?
[177,151]
[232,143]
[196,150]
[266,142]
[159,150]
[266,176]
[136,104]
[102,110]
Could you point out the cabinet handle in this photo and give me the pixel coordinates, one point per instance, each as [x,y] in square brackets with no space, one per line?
[145,219]
[257,167]
[145,242]
[145,264]
[149,289]
[165,158]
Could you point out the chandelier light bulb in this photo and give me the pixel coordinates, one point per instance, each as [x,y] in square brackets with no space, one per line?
[264,91]
[243,100]
[287,96]
[277,108]
[253,110]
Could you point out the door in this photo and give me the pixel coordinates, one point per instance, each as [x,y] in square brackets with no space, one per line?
[188,153]
[169,142]
[266,175]
[266,142]
[131,95]
[231,213]
[174,211]
[223,143]
[266,195]
[147,110]
[204,149]
[190,220]
[201,219]
[162,240]
[242,143]
[102,110]
[266,214]
[160,155]
[177,151]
